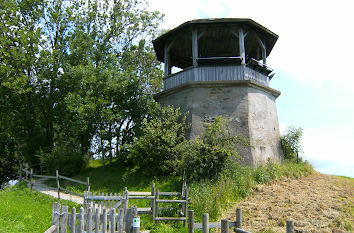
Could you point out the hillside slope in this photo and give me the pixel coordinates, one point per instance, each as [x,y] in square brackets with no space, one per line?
[316,203]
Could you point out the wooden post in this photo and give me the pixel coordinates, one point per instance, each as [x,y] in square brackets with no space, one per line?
[97,219]
[73,220]
[185,204]
[125,206]
[31,179]
[58,186]
[241,40]
[88,183]
[89,220]
[120,220]
[167,65]
[104,221]
[190,221]
[56,216]
[113,220]
[82,220]
[224,226]
[290,226]
[238,218]
[157,196]
[20,174]
[205,223]
[153,201]
[64,219]
[135,220]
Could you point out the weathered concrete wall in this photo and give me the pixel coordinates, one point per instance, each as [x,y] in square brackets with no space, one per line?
[249,107]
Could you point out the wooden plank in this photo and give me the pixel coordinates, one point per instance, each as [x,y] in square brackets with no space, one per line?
[56,216]
[104,198]
[113,220]
[171,218]
[141,197]
[195,47]
[42,176]
[104,221]
[73,220]
[71,192]
[139,193]
[120,220]
[82,221]
[171,201]
[191,221]
[205,223]
[225,226]
[241,41]
[64,219]
[51,229]
[97,220]
[170,193]
[72,180]
[89,220]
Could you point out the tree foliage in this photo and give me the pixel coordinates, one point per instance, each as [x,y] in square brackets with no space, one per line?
[164,150]
[291,142]
[75,76]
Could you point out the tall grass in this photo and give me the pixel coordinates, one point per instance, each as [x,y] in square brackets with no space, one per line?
[237,182]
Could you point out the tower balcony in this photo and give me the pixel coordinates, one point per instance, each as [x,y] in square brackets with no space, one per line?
[220,69]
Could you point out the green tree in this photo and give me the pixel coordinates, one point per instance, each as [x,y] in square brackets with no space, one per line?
[75,71]
[291,142]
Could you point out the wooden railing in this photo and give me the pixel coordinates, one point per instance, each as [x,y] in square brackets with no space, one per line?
[29,178]
[215,73]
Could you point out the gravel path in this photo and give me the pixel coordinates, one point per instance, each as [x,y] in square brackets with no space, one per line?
[40,186]
[317,203]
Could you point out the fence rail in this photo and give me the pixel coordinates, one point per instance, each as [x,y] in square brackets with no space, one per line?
[29,175]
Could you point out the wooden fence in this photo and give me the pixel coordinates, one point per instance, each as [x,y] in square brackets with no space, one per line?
[102,201]
[29,178]
[224,224]
[94,220]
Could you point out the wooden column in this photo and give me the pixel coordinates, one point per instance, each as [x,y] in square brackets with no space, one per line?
[167,60]
[241,40]
[264,53]
[195,47]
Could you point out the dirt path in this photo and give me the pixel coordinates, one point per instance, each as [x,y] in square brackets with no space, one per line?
[317,203]
[40,186]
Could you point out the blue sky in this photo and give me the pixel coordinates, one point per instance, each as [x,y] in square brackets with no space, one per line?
[313,63]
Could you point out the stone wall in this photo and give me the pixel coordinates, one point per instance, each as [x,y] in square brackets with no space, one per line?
[249,107]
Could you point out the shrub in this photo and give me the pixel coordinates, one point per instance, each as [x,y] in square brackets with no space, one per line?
[158,151]
[291,142]
[206,156]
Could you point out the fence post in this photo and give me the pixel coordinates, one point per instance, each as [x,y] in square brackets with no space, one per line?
[136,220]
[88,183]
[185,204]
[20,174]
[104,221]
[224,226]
[31,178]
[64,219]
[238,218]
[205,223]
[58,186]
[120,220]
[56,216]
[73,220]
[82,220]
[97,218]
[125,206]
[113,220]
[89,219]
[153,201]
[157,195]
[190,221]
[289,226]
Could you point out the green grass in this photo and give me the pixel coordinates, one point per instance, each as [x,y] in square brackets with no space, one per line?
[23,211]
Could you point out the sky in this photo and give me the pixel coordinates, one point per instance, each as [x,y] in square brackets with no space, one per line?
[313,65]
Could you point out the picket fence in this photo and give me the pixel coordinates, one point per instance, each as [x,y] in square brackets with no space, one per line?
[94,220]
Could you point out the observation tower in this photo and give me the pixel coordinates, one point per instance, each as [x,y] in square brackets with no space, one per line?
[223,72]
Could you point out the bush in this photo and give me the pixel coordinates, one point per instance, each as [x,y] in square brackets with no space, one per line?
[291,142]
[158,151]
[206,156]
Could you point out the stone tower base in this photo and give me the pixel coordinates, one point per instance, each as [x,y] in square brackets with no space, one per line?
[249,107]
